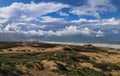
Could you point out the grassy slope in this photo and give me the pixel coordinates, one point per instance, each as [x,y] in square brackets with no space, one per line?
[67,61]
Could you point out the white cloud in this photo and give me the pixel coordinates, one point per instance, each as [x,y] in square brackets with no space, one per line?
[99,33]
[48,19]
[98,22]
[111,21]
[103,27]
[94,8]
[79,21]
[32,19]
[84,10]
[12,28]
[2,20]
[86,31]
[67,31]
[28,12]
[63,13]
[81,27]
[23,18]
[21,27]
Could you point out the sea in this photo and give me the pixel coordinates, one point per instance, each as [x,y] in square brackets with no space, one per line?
[115,45]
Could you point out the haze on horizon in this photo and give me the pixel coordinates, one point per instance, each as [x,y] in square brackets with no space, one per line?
[60,20]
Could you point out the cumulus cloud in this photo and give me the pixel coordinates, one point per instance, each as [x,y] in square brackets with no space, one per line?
[88,31]
[80,27]
[27,12]
[98,22]
[94,8]
[111,21]
[103,27]
[76,30]
[99,33]
[68,30]
[28,18]
[84,10]
[48,19]
[33,19]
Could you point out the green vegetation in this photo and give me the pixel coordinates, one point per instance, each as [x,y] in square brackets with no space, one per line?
[67,61]
[85,48]
[8,69]
[6,45]
[107,66]
[43,45]
[33,60]
[84,71]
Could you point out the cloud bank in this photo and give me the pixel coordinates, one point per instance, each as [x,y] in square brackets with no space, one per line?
[34,19]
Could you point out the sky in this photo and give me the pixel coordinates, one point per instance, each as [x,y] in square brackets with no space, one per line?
[60,20]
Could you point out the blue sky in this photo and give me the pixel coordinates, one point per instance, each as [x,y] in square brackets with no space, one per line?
[60,20]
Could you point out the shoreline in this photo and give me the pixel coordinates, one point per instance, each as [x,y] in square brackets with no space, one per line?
[102,45]
[106,45]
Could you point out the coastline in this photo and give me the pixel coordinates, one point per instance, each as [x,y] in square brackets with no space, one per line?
[44,58]
[106,45]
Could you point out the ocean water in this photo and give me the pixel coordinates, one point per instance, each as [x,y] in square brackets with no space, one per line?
[108,44]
